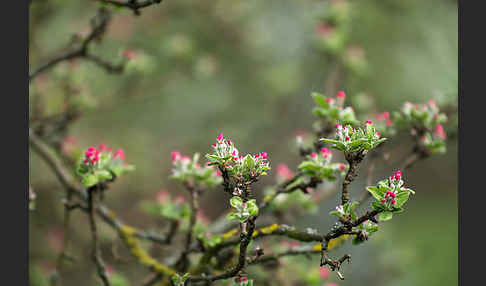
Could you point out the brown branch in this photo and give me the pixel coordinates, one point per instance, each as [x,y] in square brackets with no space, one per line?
[245,239]
[183,263]
[354,159]
[96,252]
[98,28]
[134,5]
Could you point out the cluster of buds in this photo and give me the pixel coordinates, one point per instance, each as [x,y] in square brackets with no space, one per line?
[424,116]
[332,109]
[395,182]
[101,164]
[349,139]
[226,156]
[390,194]
[189,170]
[385,124]
[320,166]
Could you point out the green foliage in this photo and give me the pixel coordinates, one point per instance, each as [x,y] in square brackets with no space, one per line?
[189,170]
[349,139]
[320,166]
[390,195]
[345,211]
[332,111]
[244,210]
[101,166]
[178,280]
[226,156]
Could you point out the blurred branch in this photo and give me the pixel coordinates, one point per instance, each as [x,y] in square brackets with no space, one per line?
[96,252]
[134,5]
[98,28]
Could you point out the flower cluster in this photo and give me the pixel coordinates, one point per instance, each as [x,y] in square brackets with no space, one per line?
[320,166]
[390,194]
[332,29]
[101,164]
[226,156]
[349,139]
[384,123]
[332,110]
[244,210]
[423,116]
[333,34]
[189,170]
[170,208]
[435,142]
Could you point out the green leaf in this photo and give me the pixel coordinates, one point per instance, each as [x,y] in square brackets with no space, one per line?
[320,99]
[252,207]
[377,193]
[236,202]
[330,141]
[104,175]
[377,206]
[384,216]
[232,216]
[89,180]
[402,198]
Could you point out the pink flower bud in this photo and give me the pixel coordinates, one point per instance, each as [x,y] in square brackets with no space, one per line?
[214,144]
[88,154]
[394,202]
[386,114]
[347,138]
[284,172]
[102,147]
[229,142]
[119,154]
[341,94]
[243,204]
[338,126]
[264,155]
[175,155]
[220,137]
[342,167]
[329,100]
[369,122]
[439,131]
[314,155]
[378,133]
[383,201]
[398,175]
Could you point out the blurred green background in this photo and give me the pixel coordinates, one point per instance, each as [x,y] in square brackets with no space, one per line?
[246,68]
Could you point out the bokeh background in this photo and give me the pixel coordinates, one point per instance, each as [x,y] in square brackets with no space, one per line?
[246,68]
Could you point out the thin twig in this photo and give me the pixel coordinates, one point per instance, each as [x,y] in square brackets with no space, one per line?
[96,252]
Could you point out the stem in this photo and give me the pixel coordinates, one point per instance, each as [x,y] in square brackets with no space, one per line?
[96,253]
[354,159]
